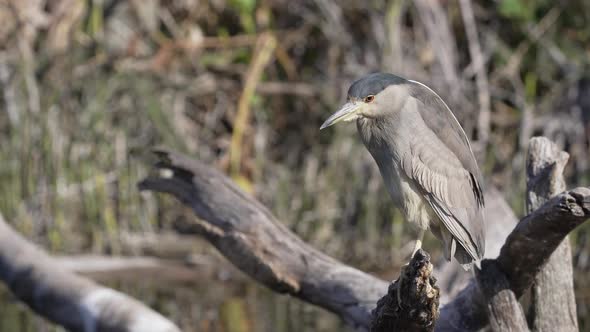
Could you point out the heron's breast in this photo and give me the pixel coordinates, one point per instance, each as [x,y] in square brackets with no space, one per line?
[414,206]
[407,196]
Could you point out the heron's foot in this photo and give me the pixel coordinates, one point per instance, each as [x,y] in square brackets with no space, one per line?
[417,245]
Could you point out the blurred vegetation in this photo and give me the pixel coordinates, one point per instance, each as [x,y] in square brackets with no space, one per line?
[88,86]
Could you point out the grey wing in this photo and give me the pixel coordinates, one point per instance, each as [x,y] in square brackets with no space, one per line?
[444,168]
[438,117]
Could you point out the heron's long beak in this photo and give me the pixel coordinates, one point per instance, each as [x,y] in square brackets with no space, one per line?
[348,112]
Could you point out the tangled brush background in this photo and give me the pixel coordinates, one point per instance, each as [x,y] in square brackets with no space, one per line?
[87,86]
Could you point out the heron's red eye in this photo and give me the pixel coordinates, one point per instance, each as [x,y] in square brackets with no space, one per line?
[369,98]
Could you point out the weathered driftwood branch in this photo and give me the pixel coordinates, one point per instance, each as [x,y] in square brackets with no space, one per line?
[537,235]
[67,299]
[523,255]
[250,237]
[419,296]
[504,310]
[553,305]
[109,268]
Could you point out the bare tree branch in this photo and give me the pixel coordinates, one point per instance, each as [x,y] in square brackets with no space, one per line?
[504,310]
[109,268]
[523,255]
[67,299]
[249,236]
[553,301]
[537,235]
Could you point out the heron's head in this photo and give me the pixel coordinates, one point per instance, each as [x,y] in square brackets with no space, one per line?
[374,96]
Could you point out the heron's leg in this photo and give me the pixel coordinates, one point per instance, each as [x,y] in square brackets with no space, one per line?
[417,247]
[418,244]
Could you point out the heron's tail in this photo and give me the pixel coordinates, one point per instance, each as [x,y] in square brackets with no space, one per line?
[452,248]
[460,254]
[465,259]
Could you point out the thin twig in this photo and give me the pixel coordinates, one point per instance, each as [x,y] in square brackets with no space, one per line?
[481,78]
[262,56]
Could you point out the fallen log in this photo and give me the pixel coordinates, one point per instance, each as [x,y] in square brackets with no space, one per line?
[249,235]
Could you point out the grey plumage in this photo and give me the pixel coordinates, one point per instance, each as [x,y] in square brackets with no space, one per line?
[464,200]
[425,159]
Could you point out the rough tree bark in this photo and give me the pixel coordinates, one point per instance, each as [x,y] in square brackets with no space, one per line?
[249,236]
[523,255]
[504,310]
[419,297]
[67,299]
[246,233]
[553,305]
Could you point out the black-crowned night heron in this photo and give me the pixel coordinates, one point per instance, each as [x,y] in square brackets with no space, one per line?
[425,160]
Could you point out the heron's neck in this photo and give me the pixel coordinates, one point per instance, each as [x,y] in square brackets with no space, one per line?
[378,135]
[378,139]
